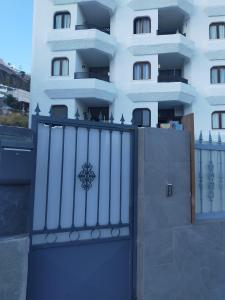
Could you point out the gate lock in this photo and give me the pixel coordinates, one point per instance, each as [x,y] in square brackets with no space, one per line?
[169,190]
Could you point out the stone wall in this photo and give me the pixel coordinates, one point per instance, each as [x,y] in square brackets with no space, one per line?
[13,268]
[176,260]
[15,179]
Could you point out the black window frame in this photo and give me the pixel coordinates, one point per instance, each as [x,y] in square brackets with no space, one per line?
[141,109]
[218,68]
[217,24]
[142,63]
[61,59]
[142,18]
[63,14]
[219,112]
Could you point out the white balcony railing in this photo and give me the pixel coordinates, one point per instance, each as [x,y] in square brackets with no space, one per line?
[185,5]
[145,91]
[88,88]
[147,44]
[110,5]
[64,40]
[215,8]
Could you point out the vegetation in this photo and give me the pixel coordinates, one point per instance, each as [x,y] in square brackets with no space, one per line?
[12,102]
[14,119]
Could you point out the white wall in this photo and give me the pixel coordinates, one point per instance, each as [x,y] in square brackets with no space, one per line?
[42,55]
[197,70]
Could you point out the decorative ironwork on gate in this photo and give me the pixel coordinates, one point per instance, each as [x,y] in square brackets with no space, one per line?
[87,176]
[210,177]
[84,179]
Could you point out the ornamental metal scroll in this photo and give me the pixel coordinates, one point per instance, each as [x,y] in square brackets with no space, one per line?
[87,176]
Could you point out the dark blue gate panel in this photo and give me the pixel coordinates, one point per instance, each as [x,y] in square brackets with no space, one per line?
[92,271]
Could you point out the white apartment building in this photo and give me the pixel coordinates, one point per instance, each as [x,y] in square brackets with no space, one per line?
[152,60]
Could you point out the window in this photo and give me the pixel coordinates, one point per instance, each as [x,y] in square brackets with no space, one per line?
[62,20]
[59,111]
[142,25]
[142,117]
[218,74]
[217,31]
[60,66]
[218,120]
[142,71]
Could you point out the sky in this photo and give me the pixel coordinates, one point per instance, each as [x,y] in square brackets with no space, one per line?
[16,32]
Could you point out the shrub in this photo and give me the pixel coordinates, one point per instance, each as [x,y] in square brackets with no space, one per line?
[14,119]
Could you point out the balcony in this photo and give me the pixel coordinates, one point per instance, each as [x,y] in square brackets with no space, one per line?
[215,94]
[109,5]
[87,75]
[66,40]
[105,29]
[176,92]
[171,78]
[215,8]
[186,6]
[84,88]
[162,44]
[215,50]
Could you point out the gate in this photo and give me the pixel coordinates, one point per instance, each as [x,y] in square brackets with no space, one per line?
[83,221]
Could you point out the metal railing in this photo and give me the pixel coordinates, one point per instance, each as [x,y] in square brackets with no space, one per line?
[95,75]
[171,78]
[105,29]
[161,32]
[210,178]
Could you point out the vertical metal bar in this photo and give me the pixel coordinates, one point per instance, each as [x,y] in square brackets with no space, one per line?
[61,180]
[48,170]
[200,181]
[211,181]
[75,180]
[99,172]
[220,179]
[110,176]
[121,170]
[86,191]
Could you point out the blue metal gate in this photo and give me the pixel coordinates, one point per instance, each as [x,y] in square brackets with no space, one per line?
[83,216]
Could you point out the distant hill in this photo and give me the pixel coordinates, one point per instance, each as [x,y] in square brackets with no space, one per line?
[14,78]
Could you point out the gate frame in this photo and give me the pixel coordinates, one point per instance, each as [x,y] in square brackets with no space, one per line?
[36,119]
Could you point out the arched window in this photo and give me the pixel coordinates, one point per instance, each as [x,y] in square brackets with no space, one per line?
[218,74]
[217,31]
[218,120]
[60,66]
[142,25]
[62,20]
[142,117]
[59,111]
[142,71]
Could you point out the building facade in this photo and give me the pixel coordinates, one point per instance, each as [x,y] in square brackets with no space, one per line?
[152,60]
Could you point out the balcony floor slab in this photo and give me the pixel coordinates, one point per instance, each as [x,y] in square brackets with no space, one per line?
[81,88]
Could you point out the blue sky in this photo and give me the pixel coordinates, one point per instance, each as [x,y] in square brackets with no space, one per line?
[16,32]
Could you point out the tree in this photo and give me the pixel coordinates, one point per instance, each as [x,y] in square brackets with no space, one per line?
[12,102]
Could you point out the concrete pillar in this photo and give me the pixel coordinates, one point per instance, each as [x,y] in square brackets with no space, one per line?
[163,159]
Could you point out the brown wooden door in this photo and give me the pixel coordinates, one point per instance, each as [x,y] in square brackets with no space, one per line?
[188,123]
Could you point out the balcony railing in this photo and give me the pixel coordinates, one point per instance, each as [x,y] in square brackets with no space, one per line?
[171,78]
[161,32]
[89,26]
[86,75]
